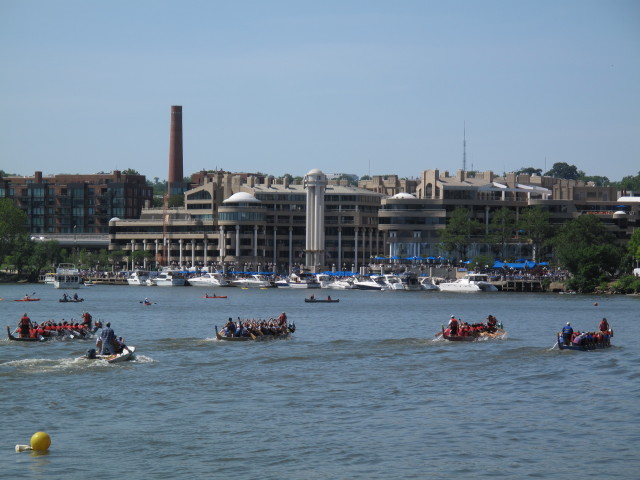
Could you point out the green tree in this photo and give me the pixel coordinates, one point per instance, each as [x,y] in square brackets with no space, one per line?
[535,226]
[563,170]
[457,236]
[530,171]
[585,248]
[633,247]
[13,226]
[130,171]
[596,179]
[630,182]
[502,227]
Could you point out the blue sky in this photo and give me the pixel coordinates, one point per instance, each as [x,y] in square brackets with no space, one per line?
[364,87]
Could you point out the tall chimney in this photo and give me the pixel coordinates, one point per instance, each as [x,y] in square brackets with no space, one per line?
[175,148]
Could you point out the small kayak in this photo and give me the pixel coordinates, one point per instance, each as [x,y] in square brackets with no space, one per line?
[29,299]
[214,296]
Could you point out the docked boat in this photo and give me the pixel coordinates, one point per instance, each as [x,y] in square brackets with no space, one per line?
[54,335]
[127,353]
[324,280]
[303,280]
[472,282]
[321,300]
[344,284]
[168,278]
[369,283]
[253,281]
[48,278]
[221,335]
[67,276]
[427,283]
[392,281]
[410,282]
[586,341]
[209,280]
[138,277]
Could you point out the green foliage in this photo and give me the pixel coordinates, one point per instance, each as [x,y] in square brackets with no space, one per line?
[481,262]
[535,226]
[530,171]
[633,247]
[456,237]
[130,171]
[176,201]
[596,179]
[365,177]
[586,249]
[627,284]
[502,227]
[630,182]
[13,226]
[563,170]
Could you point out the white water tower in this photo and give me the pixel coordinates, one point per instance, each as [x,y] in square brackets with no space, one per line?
[315,182]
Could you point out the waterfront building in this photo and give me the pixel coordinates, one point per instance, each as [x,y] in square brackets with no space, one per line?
[76,204]
[410,223]
[252,222]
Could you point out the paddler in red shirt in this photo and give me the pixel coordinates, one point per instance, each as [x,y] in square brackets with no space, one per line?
[24,325]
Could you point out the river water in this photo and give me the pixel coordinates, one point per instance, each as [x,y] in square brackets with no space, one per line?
[360,391]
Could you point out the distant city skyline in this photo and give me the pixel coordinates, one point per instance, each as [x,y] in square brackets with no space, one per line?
[362,87]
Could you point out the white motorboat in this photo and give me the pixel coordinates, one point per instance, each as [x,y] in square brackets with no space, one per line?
[369,283]
[392,281]
[427,283]
[138,277]
[253,281]
[127,354]
[303,280]
[410,282]
[209,280]
[67,276]
[344,284]
[168,278]
[472,282]
[324,280]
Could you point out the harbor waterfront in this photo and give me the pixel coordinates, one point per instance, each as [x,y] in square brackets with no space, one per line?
[360,390]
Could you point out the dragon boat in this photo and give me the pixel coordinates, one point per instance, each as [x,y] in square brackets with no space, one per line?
[259,335]
[470,336]
[586,341]
[64,334]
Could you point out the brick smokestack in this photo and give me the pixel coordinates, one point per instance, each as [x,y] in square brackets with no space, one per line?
[175,148]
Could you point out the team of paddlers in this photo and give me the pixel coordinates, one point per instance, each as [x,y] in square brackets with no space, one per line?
[601,337]
[247,327]
[456,327]
[51,328]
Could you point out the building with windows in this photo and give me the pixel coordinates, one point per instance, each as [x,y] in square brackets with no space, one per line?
[76,204]
[410,223]
[252,222]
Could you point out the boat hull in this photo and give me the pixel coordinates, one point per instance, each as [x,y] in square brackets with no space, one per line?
[320,300]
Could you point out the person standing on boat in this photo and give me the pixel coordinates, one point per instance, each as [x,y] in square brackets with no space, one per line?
[604,325]
[453,325]
[86,320]
[567,331]
[107,338]
[24,325]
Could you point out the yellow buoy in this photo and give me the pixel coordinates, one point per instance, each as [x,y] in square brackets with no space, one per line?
[40,441]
